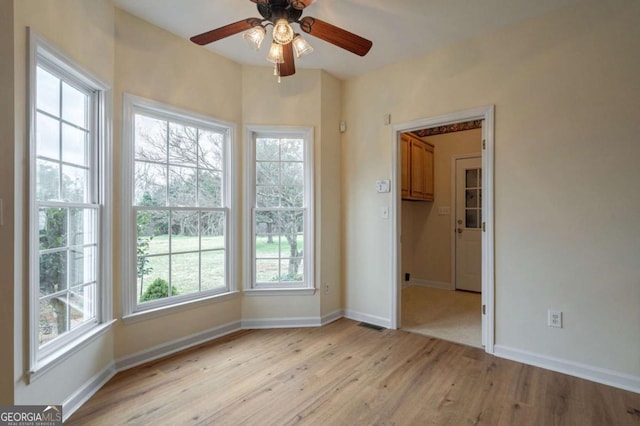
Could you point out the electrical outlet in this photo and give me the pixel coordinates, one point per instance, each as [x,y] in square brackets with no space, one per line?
[326,288]
[554,318]
[407,276]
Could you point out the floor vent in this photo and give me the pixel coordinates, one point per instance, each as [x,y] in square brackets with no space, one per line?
[371,326]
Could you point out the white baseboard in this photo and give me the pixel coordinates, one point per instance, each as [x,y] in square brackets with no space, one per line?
[371,319]
[86,391]
[432,284]
[293,322]
[331,317]
[176,346]
[584,371]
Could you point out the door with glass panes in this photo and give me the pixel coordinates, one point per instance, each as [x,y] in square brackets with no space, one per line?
[468,224]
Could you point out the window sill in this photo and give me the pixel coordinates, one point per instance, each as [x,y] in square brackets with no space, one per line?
[56,358]
[279,291]
[178,307]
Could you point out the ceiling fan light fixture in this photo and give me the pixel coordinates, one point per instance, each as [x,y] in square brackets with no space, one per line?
[276,54]
[301,46]
[254,36]
[282,31]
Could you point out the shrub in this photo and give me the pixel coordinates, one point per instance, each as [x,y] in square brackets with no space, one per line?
[158,289]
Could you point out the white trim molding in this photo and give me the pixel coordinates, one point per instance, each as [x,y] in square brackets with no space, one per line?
[572,368]
[417,282]
[371,319]
[332,316]
[174,346]
[485,113]
[86,391]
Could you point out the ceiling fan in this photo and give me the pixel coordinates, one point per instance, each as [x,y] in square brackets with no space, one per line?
[281,14]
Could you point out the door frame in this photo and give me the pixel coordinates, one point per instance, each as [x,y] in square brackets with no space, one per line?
[454,205]
[485,113]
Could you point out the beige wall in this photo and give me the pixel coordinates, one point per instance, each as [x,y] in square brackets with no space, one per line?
[83,31]
[426,235]
[311,98]
[157,65]
[9,336]
[567,99]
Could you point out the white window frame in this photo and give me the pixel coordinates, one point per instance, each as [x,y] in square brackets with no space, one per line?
[132,310]
[308,285]
[42,53]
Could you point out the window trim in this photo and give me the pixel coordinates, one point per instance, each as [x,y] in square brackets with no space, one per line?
[41,51]
[250,134]
[132,311]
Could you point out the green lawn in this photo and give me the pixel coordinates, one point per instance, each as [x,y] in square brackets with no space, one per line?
[184,271]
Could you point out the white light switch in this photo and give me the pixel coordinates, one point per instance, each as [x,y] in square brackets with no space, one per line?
[384,212]
[443,211]
[383,186]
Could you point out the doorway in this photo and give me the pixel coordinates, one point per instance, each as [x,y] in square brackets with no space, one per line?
[482,213]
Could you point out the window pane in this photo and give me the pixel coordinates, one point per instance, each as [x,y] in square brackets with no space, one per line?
[82,266]
[155,283]
[48,92]
[267,244]
[292,150]
[472,178]
[471,198]
[267,270]
[82,226]
[268,173]
[150,184]
[53,272]
[212,230]
[185,276]
[185,232]
[209,188]
[182,186]
[152,227]
[74,145]
[53,228]
[82,305]
[53,318]
[292,174]
[183,143]
[213,270]
[210,149]
[292,196]
[267,196]
[47,180]
[75,184]
[74,106]
[471,218]
[47,137]
[291,270]
[267,149]
[150,139]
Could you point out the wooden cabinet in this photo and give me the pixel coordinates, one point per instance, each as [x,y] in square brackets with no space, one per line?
[417,169]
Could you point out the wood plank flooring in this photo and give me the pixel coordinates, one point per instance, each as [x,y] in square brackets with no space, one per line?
[344,374]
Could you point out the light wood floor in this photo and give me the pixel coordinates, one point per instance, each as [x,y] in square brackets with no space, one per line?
[343,374]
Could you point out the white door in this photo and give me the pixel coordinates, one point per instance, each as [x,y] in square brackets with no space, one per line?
[468,224]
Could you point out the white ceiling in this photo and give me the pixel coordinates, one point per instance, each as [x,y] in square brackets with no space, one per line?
[399,29]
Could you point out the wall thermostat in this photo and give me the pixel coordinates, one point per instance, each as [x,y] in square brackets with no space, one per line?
[383,186]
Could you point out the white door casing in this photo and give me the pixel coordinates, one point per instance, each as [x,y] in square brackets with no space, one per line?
[468,224]
[485,113]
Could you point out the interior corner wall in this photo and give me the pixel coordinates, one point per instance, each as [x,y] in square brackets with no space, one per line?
[83,31]
[296,101]
[155,64]
[8,334]
[426,235]
[567,99]
[329,180]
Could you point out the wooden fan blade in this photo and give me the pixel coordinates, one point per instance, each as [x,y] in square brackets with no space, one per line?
[335,35]
[301,4]
[288,67]
[226,31]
